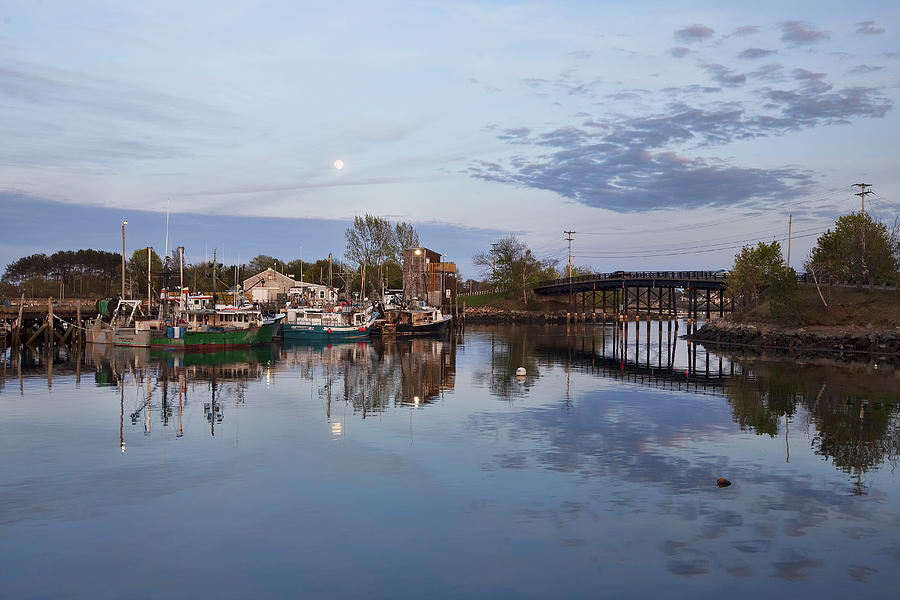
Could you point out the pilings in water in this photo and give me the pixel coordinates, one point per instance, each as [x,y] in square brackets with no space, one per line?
[36,328]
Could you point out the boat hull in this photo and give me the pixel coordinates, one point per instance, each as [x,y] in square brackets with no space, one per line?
[215,339]
[297,331]
[433,328]
[113,336]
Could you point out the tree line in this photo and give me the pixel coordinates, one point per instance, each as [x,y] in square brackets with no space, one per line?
[373,253]
[859,250]
[67,272]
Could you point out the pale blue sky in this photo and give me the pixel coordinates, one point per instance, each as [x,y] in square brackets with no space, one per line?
[664,135]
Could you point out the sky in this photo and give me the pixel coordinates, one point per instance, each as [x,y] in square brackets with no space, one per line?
[665,135]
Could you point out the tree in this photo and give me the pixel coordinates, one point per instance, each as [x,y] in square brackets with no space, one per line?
[373,241]
[859,250]
[363,240]
[137,272]
[405,237]
[260,263]
[512,264]
[750,278]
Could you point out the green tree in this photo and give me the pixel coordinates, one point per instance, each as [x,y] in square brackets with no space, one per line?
[751,277]
[260,263]
[511,264]
[859,250]
[136,270]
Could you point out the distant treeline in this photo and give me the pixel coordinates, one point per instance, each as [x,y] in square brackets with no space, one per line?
[67,272]
[96,273]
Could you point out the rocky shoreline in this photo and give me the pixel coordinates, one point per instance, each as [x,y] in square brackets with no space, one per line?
[819,339]
[879,343]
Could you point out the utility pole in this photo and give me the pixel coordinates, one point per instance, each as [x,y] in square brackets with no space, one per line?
[862,194]
[571,297]
[569,234]
[789,241]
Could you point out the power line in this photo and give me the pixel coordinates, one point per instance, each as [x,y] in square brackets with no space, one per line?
[691,252]
[655,249]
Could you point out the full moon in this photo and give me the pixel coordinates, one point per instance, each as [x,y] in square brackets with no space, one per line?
[338,164]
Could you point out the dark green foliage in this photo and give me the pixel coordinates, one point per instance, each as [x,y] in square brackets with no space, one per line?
[786,303]
[750,279]
[843,256]
[80,272]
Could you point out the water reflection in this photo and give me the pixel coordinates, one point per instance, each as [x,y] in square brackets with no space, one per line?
[853,410]
[374,376]
[848,414]
[597,468]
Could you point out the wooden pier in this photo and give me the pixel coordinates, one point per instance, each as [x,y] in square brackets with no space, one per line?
[43,323]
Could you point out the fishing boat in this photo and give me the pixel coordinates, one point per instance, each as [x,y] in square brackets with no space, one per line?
[417,319]
[121,323]
[335,323]
[198,324]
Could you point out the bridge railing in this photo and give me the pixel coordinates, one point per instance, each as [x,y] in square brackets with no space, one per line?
[686,275]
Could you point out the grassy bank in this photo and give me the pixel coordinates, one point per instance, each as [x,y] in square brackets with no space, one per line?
[847,307]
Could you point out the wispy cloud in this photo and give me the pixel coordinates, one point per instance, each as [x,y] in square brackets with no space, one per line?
[864,69]
[745,30]
[799,33]
[754,53]
[725,76]
[679,51]
[868,28]
[694,33]
[629,164]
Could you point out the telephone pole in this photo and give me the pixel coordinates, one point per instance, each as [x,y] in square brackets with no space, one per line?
[862,194]
[571,297]
[569,234]
[789,241]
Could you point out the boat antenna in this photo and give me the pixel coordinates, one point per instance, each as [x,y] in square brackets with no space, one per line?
[168,207]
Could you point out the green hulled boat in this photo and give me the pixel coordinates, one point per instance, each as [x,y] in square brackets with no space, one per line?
[200,325]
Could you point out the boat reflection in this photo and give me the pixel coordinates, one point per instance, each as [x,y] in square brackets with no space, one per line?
[847,413]
[373,376]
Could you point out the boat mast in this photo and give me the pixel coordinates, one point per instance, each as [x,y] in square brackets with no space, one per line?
[214,278]
[181,270]
[149,300]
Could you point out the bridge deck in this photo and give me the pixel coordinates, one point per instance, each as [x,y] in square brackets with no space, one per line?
[703,280]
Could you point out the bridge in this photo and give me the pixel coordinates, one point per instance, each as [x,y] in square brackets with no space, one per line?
[651,292]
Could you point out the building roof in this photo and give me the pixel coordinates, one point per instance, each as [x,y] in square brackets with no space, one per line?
[269,277]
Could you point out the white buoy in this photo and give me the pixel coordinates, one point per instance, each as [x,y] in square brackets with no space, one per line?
[520,371]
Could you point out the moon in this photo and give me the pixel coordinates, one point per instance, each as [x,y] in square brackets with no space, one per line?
[338,164]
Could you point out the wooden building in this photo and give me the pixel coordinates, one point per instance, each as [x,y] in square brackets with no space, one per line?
[428,278]
[268,285]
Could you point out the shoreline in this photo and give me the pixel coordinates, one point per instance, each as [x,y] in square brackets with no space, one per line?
[816,340]
[841,342]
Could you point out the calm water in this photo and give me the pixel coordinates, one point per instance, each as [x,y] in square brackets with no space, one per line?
[425,468]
